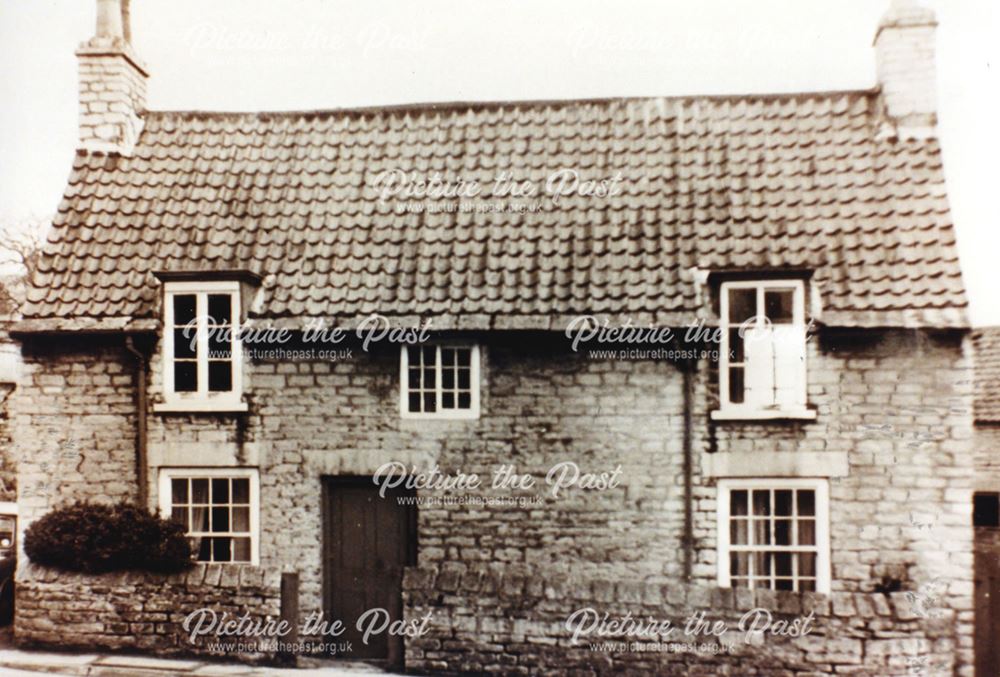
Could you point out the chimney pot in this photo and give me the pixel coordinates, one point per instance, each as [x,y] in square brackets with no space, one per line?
[109,20]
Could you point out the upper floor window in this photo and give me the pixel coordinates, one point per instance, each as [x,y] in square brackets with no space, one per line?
[439,381]
[762,365]
[201,347]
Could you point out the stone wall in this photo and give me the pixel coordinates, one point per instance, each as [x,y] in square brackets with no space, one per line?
[73,413]
[136,610]
[896,404]
[987,449]
[514,622]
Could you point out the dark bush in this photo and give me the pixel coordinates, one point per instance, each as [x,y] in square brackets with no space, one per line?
[95,538]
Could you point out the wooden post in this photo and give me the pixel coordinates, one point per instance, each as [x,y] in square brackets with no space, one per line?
[290,612]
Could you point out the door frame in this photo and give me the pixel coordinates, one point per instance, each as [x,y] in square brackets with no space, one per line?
[329,484]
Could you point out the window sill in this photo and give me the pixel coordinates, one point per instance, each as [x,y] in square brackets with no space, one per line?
[469,416]
[734,414]
[201,406]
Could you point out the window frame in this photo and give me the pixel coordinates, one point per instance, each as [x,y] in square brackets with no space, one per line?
[735,411]
[253,474]
[201,399]
[473,412]
[820,486]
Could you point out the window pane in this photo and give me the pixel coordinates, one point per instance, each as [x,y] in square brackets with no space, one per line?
[464,401]
[429,402]
[464,379]
[807,564]
[241,519]
[220,376]
[221,550]
[447,400]
[807,501]
[430,377]
[413,356]
[742,305]
[448,379]
[761,502]
[762,532]
[762,563]
[784,584]
[180,515]
[736,352]
[413,376]
[205,550]
[185,345]
[220,490]
[739,564]
[783,502]
[241,490]
[738,532]
[464,356]
[185,377]
[220,309]
[179,491]
[414,403]
[220,519]
[199,519]
[737,389]
[738,502]
[184,308]
[220,343]
[199,491]
[779,305]
[783,563]
[807,532]
[448,356]
[241,549]
[807,585]
[783,532]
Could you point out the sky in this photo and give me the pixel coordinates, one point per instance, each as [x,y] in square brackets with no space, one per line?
[308,54]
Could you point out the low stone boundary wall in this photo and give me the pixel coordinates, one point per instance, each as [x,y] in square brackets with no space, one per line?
[136,610]
[484,620]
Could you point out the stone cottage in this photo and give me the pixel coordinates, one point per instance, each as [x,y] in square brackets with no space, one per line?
[245,319]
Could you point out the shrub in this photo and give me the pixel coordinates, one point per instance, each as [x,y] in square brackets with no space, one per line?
[95,538]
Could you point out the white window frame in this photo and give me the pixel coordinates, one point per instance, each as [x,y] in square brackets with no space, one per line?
[448,414]
[166,498]
[202,399]
[743,411]
[820,486]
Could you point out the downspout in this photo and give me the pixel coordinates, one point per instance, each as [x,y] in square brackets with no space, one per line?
[141,459]
[687,368]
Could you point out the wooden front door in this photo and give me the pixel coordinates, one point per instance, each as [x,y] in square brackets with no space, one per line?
[367,542]
[987,564]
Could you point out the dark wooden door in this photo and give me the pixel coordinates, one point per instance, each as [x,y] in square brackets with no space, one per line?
[987,602]
[368,540]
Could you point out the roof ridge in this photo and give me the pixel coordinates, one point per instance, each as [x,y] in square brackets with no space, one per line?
[515,103]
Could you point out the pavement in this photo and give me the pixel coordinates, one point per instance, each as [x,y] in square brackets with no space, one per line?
[17,663]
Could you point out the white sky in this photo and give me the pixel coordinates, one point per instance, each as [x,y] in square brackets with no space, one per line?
[303,54]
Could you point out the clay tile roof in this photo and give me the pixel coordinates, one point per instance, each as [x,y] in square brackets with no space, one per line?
[709,184]
[986,342]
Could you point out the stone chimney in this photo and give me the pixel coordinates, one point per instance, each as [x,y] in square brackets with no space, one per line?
[904,54]
[112,83]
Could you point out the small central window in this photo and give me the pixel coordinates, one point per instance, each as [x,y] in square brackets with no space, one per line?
[218,508]
[439,381]
[202,345]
